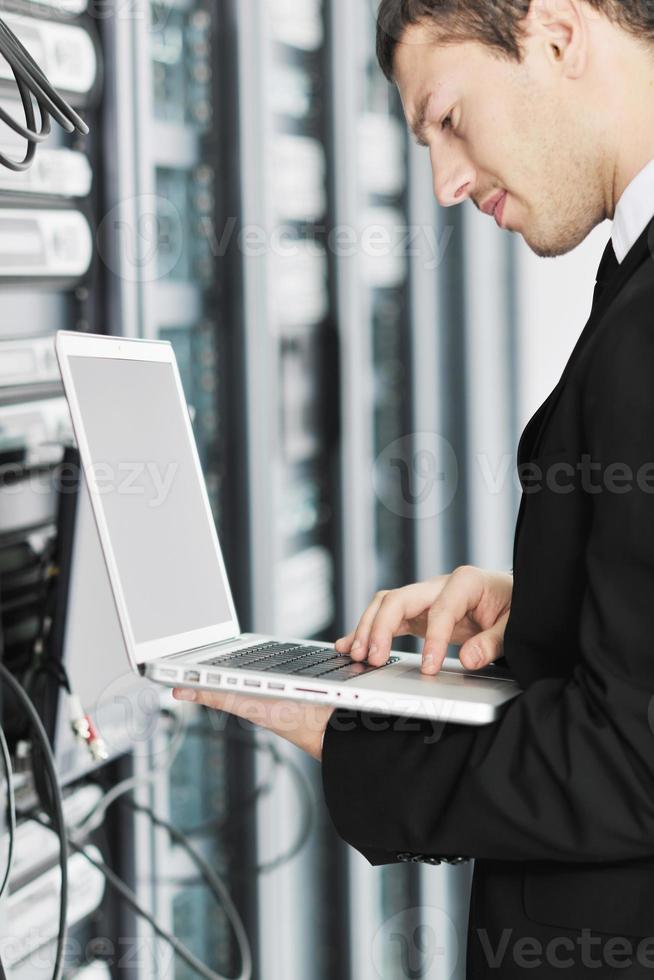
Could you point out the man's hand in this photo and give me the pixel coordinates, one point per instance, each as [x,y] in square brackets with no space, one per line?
[470,607]
[299,722]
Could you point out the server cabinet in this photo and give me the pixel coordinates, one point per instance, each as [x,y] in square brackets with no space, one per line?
[48,279]
[173,277]
[385,293]
[292,392]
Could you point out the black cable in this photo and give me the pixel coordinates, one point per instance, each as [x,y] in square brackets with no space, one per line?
[53,807]
[3,975]
[126,893]
[24,67]
[93,820]
[27,132]
[11,808]
[305,798]
[218,825]
[33,84]
[208,875]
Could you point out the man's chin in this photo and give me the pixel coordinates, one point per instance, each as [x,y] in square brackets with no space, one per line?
[555,244]
[547,250]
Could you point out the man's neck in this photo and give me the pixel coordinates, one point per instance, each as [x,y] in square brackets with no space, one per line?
[636,146]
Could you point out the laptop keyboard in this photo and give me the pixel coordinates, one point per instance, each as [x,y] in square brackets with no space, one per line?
[292,658]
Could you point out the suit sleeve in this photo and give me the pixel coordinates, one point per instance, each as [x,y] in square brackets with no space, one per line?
[567,772]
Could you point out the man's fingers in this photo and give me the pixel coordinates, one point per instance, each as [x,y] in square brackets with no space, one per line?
[210,699]
[386,617]
[461,593]
[344,644]
[485,647]
[392,616]
[440,626]
[356,643]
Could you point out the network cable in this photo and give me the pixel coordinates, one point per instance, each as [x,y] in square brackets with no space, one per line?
[53,806]
[11,809]
[305,799]
[216,885]
[218,889]
[33,85]
[94,819]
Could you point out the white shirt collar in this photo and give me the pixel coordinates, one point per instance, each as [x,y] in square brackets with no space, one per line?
[634,211]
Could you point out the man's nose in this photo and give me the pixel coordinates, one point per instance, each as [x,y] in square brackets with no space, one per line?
[454,182]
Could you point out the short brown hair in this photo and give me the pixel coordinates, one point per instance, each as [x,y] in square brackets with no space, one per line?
[499,24]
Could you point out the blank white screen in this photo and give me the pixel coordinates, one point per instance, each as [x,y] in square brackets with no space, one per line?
[151,496]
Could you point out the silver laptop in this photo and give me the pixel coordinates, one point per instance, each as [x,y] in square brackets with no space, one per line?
[166,569]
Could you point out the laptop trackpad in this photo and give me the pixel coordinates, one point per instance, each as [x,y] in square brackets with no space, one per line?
[408,679]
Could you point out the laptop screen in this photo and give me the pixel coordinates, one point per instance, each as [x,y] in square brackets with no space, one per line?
[144,468]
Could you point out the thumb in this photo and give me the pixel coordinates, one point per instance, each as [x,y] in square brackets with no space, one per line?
[485,647]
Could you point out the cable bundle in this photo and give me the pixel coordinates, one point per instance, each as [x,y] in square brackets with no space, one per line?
[32,84]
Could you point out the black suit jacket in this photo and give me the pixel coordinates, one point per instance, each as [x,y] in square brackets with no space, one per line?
[560,790]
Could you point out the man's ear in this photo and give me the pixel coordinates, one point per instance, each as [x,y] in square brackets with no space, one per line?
[562,26]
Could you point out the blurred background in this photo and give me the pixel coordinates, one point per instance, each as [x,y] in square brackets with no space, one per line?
[359,363]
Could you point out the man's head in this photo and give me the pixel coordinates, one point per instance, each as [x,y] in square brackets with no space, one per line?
[550,101]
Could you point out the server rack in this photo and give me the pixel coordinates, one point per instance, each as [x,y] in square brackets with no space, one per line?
[190,197]
[175,279]
[292,387]
[387,297]
[51,277]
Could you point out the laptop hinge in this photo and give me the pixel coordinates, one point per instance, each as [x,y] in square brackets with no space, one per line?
[206,646]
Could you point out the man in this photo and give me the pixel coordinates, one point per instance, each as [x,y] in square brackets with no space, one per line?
[543,115]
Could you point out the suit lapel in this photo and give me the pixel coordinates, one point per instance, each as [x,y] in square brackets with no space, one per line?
[531,437]
[532,434]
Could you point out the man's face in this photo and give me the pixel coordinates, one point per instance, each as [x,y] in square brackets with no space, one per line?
[495,125]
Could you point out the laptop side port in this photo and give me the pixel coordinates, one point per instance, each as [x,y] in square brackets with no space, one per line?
[276,687]
[213,678]
[172,674]
[192,675]
[252,683]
